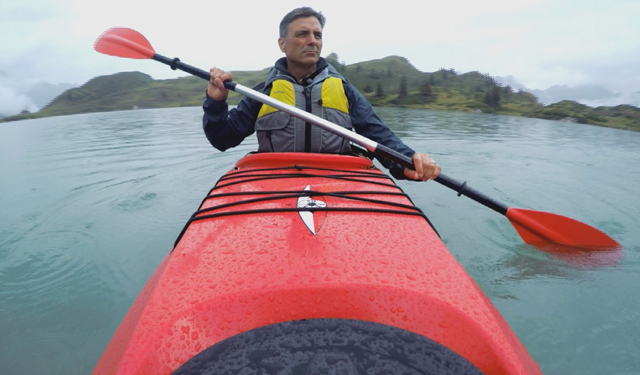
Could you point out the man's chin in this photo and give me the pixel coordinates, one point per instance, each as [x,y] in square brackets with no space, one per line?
[312,58]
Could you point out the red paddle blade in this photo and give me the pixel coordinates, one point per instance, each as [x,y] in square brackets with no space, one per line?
[124,42]
[542,228]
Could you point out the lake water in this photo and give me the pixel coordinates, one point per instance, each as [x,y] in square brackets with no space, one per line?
[90,204]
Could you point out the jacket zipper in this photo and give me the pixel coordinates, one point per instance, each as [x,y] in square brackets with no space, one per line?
[307,125]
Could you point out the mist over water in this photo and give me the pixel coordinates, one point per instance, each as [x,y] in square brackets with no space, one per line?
[91,204]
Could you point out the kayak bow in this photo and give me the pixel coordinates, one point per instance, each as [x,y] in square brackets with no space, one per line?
[301,260]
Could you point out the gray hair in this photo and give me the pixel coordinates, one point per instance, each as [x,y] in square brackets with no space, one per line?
[299,13]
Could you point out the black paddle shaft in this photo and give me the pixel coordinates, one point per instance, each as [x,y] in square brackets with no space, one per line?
[451,183]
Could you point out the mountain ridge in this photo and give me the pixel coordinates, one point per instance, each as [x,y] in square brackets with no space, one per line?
[593,95]
[389,81]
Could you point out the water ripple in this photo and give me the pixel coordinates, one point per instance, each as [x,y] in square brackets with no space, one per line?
[50,273]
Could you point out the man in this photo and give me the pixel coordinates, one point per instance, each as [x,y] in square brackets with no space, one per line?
[303,79]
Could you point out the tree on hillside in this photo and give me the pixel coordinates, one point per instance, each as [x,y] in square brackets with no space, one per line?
[373,74]
[334,60]
[507,92]
[402,90]
[426,90]
[490,80]
[492,97]
[389,71]
[444,72]
[368,89]
[379,91]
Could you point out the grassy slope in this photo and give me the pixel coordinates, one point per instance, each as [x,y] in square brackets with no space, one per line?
[447,91]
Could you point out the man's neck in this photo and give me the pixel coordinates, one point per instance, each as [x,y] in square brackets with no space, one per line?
[300,73]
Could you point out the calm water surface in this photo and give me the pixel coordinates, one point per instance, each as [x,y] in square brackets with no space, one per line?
[90,205]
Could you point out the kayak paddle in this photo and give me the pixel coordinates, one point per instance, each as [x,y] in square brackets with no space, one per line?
[537,228]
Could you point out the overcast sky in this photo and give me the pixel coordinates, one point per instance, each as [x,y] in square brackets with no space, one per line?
[539,42]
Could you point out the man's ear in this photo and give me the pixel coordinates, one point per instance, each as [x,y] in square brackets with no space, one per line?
[281,44]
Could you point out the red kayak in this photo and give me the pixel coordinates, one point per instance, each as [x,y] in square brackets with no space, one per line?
[307,263]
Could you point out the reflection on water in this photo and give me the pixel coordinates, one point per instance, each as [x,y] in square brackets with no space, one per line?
[92,203]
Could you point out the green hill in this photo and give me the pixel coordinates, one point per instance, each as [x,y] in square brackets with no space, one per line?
[382,81]
[391,81]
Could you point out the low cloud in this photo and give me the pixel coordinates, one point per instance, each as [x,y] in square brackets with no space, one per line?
[13,102]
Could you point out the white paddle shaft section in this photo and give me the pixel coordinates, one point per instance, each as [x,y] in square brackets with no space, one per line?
[308,117]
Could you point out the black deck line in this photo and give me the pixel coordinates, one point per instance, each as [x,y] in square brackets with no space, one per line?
[356,178]
[296,209]
[304,193]
[249,175]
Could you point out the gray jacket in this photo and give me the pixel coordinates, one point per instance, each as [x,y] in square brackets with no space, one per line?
[226,128]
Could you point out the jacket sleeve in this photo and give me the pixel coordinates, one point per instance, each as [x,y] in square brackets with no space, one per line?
[368,124]
[226,128]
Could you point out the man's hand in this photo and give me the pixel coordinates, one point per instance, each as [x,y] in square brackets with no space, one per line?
[216,89]
[426,168]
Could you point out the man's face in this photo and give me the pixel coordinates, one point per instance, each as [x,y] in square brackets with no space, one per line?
[303,43]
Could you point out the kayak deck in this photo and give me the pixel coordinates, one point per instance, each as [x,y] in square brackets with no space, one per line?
[289,237]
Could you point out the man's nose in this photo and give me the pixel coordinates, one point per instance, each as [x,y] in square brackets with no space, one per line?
[311,39]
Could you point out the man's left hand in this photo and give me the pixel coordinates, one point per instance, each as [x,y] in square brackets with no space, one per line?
[425,168]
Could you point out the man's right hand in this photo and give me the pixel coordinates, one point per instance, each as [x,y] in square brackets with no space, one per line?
[216,89]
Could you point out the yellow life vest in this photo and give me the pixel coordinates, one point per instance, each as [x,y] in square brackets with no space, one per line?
[324,97]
